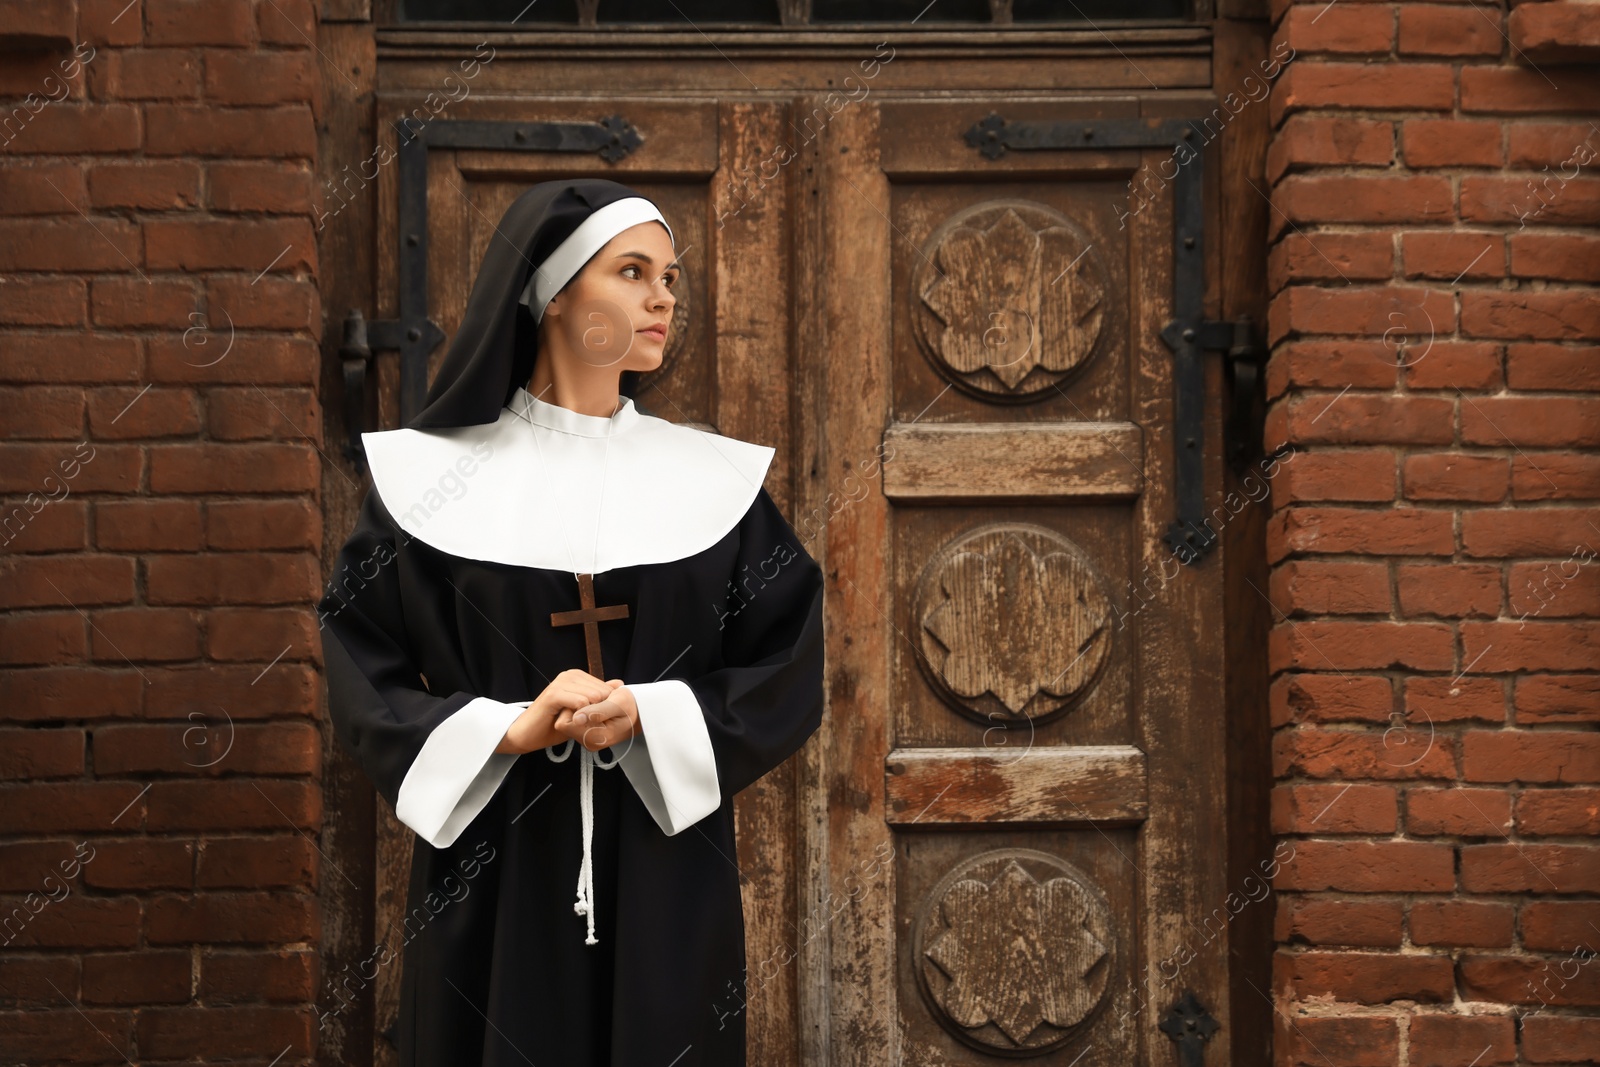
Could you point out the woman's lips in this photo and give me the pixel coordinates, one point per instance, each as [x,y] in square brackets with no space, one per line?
[654,331]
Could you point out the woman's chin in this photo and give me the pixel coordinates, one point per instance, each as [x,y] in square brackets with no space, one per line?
[644,356]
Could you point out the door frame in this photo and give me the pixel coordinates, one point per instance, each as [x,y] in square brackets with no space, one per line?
[1223,47]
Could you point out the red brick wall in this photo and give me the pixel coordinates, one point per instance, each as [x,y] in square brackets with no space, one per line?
[1434,699]
[159,749]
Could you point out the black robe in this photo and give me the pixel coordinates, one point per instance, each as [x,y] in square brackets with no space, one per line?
[495,965]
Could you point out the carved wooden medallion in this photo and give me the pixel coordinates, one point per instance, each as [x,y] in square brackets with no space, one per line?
[1008,299]
[1014,949]
[1012,623]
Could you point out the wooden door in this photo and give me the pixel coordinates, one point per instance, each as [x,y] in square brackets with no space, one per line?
[1026,805]
[1007,840]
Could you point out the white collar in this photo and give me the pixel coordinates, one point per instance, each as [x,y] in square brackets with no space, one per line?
[525,405]
[486,492]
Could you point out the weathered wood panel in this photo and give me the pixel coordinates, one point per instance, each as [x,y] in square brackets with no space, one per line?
[1102,784]
[856,899]
[742,247]
[948,462]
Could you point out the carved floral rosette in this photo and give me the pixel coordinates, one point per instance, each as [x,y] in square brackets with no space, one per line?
[1013,951]
[1011,623]
[1008,299]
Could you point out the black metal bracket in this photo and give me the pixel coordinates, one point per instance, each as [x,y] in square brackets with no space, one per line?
[993,136]
[1189,536]
[1243,353]
[414,334]
[1189,1026]
[1188,335]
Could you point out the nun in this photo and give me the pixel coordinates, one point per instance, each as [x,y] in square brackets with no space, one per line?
[563,634]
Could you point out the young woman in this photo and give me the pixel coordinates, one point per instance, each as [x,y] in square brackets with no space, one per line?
[544,583]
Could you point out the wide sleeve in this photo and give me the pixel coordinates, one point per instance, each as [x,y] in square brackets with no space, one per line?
[432,757]
[706,738]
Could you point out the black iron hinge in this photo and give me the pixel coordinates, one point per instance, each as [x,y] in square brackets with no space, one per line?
[1188,335]
[1189,536]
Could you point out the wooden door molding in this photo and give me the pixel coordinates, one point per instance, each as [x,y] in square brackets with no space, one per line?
[1170,54]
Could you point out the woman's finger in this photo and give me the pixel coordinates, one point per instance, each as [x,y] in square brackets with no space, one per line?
[577,696]
[581,681]
[596,714]
[597,689]
[592,738]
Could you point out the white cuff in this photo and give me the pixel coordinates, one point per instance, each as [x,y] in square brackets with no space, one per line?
[671,764]
[457,770]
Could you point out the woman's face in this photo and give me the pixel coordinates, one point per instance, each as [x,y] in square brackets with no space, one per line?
[616,311]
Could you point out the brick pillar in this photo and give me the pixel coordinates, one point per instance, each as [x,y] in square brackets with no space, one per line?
[160,487]
[1435,695]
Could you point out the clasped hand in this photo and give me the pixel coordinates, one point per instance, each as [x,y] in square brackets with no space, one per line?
[576,705]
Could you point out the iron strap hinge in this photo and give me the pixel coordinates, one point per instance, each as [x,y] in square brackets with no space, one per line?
[995,136]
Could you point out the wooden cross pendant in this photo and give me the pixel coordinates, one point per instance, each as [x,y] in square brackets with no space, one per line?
[590,616]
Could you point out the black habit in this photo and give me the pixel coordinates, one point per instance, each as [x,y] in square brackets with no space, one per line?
[437,631]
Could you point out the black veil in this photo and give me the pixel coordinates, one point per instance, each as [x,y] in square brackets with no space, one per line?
[493,351]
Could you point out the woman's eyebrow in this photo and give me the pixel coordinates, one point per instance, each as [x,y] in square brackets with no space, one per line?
[647,259]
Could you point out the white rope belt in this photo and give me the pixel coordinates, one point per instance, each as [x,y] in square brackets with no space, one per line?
[588,761]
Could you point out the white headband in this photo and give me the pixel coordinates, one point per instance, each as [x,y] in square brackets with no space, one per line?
[590,237]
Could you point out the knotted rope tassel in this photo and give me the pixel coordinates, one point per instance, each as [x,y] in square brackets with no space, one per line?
[587,762]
